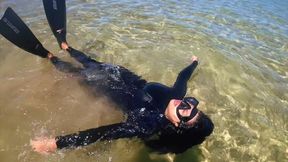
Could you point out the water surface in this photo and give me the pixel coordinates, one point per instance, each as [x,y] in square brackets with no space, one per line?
[241,81]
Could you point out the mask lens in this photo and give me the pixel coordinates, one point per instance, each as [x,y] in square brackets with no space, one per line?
[184,105]
[193,101]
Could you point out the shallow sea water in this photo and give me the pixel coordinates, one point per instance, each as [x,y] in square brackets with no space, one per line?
[241,81]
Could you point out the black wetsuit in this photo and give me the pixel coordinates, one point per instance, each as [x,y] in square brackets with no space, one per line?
[144,103]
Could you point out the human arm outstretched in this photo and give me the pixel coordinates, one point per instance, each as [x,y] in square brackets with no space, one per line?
[86,137]
[180,86]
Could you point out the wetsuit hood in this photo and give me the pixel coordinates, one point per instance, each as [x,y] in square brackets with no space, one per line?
[177,140]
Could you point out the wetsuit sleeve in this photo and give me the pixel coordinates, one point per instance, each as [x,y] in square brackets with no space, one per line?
[180,85]
[109,132]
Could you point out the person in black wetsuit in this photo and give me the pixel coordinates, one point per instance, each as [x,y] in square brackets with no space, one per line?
[161,116]
[152,109]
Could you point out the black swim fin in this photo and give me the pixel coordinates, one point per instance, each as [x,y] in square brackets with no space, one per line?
[55,11]
[17,32]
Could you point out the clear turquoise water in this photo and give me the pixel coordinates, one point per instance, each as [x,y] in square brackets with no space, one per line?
[242,79]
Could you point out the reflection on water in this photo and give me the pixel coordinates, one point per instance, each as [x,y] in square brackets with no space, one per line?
[242,79]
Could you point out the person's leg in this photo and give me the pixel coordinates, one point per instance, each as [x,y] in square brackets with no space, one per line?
[63,66]
[85,60]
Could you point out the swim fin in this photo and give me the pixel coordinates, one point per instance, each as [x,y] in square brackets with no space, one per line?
[17,32]
[55,11]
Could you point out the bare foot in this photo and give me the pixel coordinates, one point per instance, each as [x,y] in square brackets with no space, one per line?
[64,46]
[50,55]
